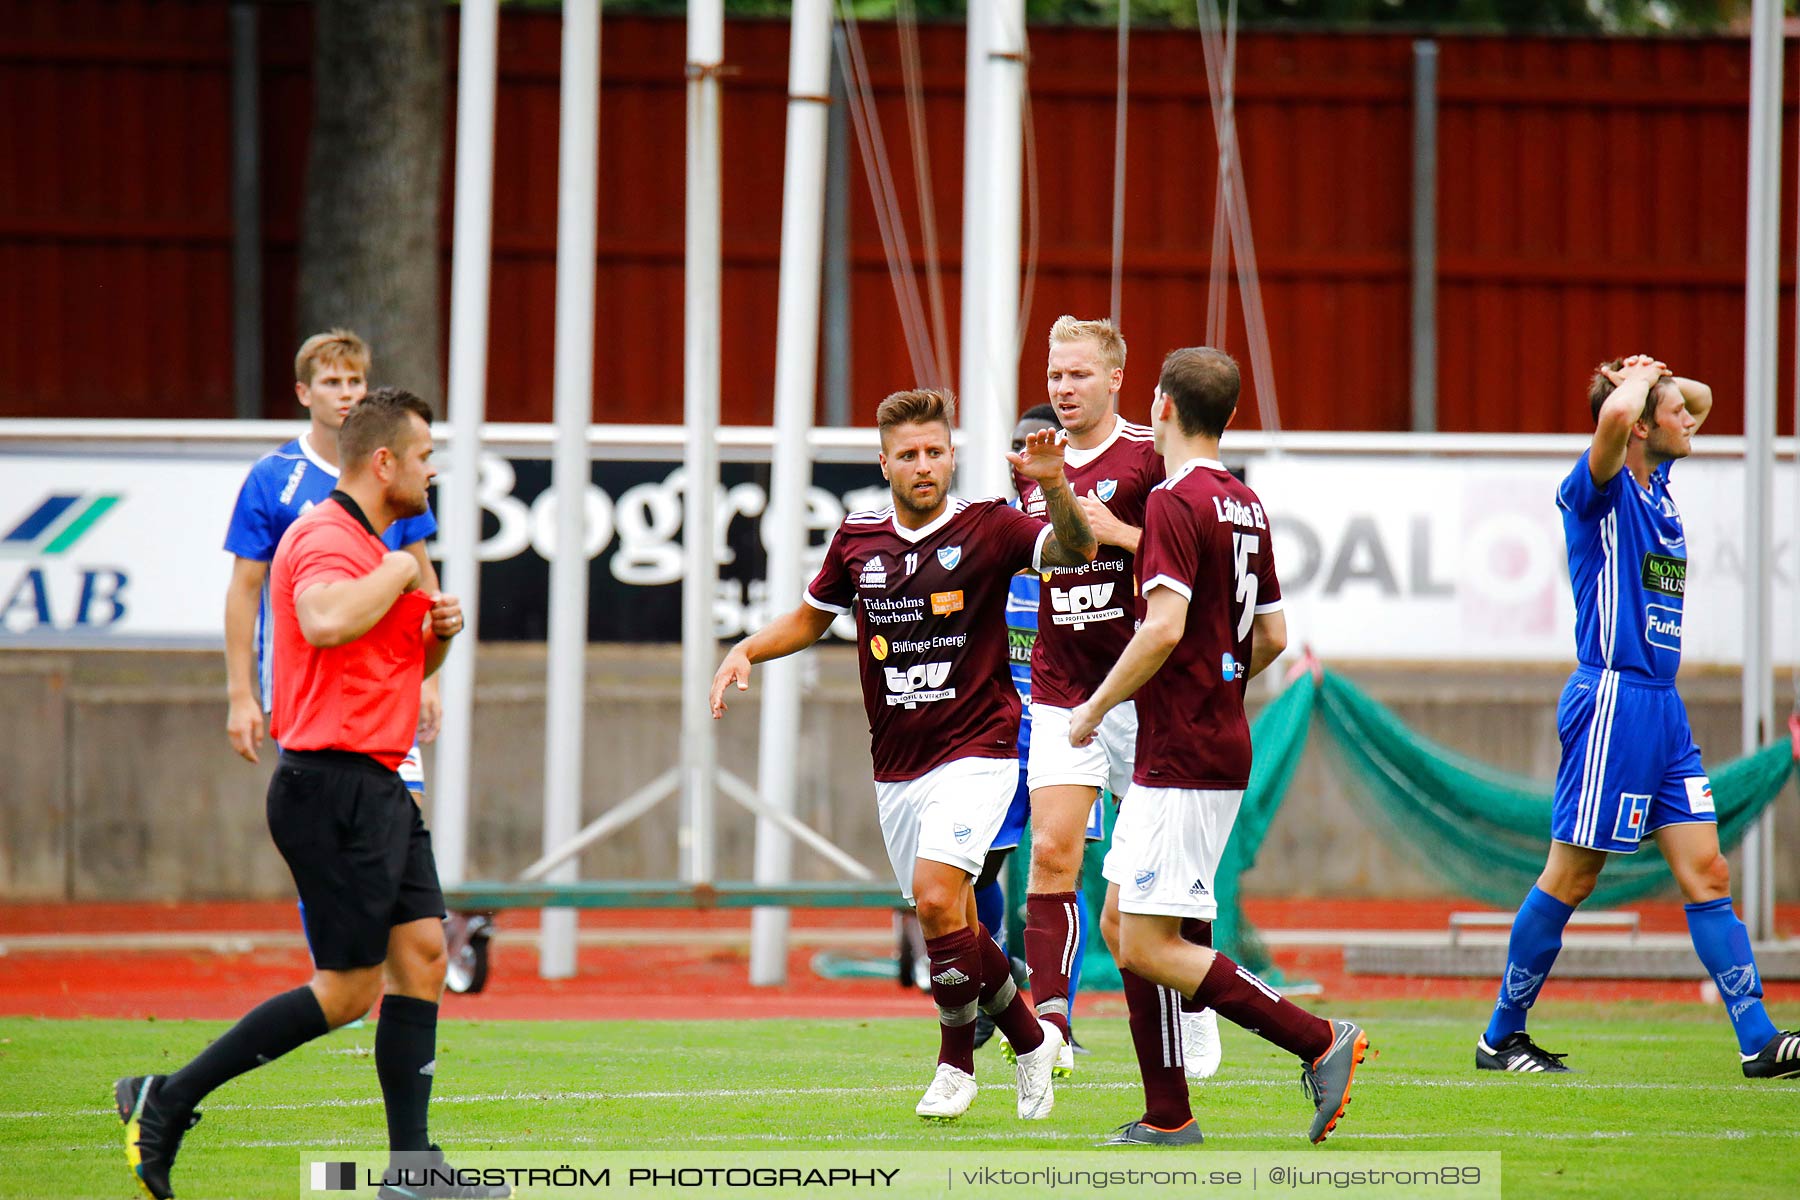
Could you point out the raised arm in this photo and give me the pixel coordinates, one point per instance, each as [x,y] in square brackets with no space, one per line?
[335,613]
[785,635]
[1612,431]
[1698,397]
[1071,541]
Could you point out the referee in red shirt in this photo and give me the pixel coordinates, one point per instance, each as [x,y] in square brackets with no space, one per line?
[353,640]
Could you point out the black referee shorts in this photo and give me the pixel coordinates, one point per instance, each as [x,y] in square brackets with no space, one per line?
[359,852]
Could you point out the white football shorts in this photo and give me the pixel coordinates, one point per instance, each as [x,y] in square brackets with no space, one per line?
[1167,843]
[1105,763]
[950,814]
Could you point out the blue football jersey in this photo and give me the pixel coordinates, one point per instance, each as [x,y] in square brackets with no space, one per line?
[278,489]
[1021,636]
[1628,569]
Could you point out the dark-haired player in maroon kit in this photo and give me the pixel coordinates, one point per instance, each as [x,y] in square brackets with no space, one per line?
[928,578]
[1210,620]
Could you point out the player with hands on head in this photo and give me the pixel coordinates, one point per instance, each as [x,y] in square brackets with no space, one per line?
[1630,768]
[927,578]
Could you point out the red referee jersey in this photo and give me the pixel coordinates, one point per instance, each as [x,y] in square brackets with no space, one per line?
[362,696]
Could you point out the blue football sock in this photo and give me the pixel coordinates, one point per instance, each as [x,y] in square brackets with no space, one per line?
[1536,939]
[1081,932]
[990,907]
[1723,945]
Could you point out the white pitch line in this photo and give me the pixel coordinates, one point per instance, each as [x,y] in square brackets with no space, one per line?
[1043,1135]
[1371,1080]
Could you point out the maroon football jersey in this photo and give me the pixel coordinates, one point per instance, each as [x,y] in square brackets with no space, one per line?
[1207,537]
[1086,614]
[931,629]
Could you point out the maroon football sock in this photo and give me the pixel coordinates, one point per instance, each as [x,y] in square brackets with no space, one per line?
[956,987]
[1050,952]
[1199,933]
[1240,997]
[1003,1001]
[1156,1035]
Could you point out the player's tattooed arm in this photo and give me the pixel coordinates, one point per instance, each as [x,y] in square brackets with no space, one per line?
[1071,541]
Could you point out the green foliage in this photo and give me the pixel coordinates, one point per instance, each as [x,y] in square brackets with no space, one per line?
[1659,1107]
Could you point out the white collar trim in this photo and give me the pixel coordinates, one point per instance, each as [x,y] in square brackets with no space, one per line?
[1181,472]
[1076,457]
[312,456]
[951,506]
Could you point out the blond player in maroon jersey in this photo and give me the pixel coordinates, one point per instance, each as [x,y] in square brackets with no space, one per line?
[1085,619]
[928,578]
[1210,620]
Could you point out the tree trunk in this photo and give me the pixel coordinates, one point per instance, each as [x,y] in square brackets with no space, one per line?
[369,233]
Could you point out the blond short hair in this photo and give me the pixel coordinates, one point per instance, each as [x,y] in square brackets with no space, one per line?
[338,347]
[1100,332]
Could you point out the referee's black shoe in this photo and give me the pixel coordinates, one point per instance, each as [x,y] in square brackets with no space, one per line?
[1519,1054]
[424,1175]
[1780,1059]
[153,1132]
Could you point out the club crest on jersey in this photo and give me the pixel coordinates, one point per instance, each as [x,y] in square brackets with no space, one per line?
[949,556]
[1105,489]
[1144,879]
[961,833]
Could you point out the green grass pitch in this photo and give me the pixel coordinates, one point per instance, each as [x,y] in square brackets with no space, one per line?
[1659,1107]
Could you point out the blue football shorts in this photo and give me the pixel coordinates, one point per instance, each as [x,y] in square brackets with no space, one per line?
[1629,764]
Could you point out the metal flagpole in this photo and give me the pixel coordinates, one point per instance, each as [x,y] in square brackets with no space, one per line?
[1762,282]
[460,505]
[796,386]
[699,646]
[990,374]
[577,199]
[976,349]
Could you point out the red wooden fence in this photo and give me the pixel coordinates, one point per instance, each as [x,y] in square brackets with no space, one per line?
[1591,201]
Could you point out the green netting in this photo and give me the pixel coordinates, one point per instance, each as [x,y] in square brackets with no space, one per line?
[1278,738]
[1484,831]
[1480,830]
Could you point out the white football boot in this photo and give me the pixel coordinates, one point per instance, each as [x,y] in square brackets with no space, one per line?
[1200,1048]
[1036,1097]
[951,1092]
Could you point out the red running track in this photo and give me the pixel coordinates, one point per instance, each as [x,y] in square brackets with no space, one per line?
[661,981]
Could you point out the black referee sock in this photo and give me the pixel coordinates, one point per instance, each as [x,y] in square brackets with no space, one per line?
[405,1060]
[265,1033]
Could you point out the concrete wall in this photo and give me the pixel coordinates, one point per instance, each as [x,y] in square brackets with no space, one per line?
[116,781]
